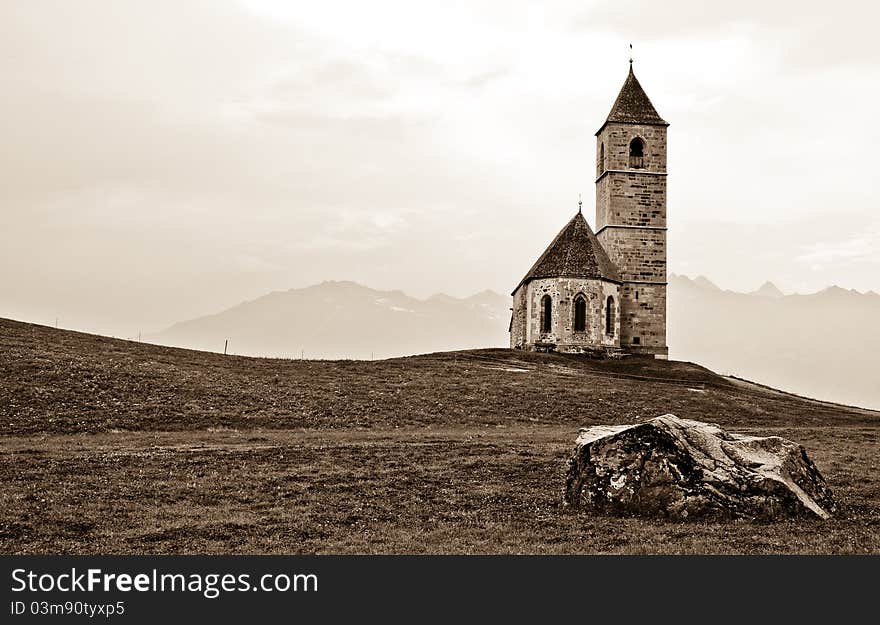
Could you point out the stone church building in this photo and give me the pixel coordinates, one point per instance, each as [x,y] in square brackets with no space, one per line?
[605,292]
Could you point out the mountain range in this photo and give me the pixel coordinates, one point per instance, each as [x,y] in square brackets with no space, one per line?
[821,345]
[347,320]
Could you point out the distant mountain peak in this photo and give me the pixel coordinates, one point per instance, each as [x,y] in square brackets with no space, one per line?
[335,285]
[706,283]
[768,289]
[486,295]
[833,290]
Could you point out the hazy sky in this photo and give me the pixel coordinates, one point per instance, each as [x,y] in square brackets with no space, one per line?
[162,160]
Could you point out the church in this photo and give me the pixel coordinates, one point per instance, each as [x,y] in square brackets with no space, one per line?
[605,292]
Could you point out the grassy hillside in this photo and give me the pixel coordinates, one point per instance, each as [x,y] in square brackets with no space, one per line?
[110,446]
[821,344]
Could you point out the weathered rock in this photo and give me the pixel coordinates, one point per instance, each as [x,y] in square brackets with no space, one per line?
[677,468]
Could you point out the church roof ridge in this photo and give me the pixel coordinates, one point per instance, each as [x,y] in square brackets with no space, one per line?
[633,106]
[575,253]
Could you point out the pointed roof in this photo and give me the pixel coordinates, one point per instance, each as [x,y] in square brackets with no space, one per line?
[574,253]
[633,106]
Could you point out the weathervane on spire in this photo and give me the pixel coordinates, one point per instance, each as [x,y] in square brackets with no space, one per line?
[630,54]
[580,203]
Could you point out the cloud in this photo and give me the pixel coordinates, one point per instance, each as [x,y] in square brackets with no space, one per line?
[861,248]
[483,79]
[811,33]
[202,151]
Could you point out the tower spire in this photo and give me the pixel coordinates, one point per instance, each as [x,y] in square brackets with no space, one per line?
[633,106]
[630,55]
[580,203]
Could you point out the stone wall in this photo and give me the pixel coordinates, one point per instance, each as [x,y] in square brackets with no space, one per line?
[643,324]
[640,254]
[526,320]
[617,137]
[518,318]
[631,199]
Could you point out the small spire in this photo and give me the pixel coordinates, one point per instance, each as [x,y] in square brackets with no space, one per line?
[630,55]
[580,203]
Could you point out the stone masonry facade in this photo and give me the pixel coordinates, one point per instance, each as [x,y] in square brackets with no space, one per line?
[631,225]
[526,322]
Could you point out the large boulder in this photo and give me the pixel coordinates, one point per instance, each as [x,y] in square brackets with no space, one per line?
[677,468]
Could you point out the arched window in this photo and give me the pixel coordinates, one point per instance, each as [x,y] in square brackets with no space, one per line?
[637,153]
[580,313]
[609,316]
[601,158]
[546,313]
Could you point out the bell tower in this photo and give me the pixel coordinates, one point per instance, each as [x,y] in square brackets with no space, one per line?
[631,214]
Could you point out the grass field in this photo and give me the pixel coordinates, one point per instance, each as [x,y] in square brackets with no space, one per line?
[110,446]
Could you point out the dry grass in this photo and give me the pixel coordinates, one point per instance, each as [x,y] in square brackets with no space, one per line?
[117,447]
